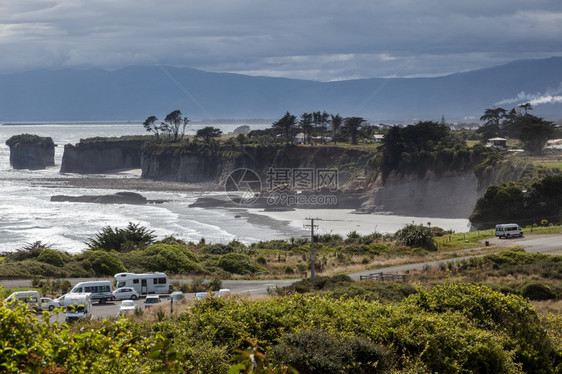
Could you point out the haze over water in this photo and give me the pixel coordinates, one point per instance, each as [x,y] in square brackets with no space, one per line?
[27,214]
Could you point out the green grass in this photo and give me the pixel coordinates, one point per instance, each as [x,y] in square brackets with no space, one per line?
[463,240]
[472,143]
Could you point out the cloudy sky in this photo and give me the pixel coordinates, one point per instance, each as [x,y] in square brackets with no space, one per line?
[310,39]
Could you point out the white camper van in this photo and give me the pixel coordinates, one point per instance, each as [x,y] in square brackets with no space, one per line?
[78,306]
[144,284]
[508,230]
[100,290]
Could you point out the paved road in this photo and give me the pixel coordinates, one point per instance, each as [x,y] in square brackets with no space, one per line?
[534,243]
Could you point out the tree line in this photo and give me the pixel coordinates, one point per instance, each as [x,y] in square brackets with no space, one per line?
[518,123]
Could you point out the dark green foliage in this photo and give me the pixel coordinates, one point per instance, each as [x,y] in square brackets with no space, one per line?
[53,257]
[208,133]
[493,311]
[217,249]
[100,263]
[19,140]
[416,236]
[29,251]
[169,258]
[537,291]
[508,202]
[238,263]
[319,351]
[124,240]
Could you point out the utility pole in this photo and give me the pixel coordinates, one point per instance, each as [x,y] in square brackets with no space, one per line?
[312,226]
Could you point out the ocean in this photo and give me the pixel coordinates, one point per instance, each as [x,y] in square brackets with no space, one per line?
[27,215]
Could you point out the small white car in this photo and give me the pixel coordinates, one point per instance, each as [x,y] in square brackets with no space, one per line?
[151,300]
[49,304]
[176,296]
[201,295]
[126,306]
[224,292]
[125,293]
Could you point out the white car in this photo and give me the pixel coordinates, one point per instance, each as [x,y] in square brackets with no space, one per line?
[224,292]
[49,304]
[151,300]
[176,296]
[125,293]
[126,306]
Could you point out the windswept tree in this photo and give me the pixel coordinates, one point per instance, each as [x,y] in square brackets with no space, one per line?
[151,126]
[337,122]
[208,133]
[321,120]
[305,124]
[174,125]
[286,126]
[535,132]
[351,126]
[492,123]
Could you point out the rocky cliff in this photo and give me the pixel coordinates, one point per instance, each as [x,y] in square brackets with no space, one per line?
[31,151]
[99,155]
[451,195]
[196,163]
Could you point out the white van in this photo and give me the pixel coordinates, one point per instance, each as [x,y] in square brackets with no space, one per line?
[101,290]
[508,230]
[31,298]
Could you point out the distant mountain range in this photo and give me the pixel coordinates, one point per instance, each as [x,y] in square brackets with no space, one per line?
[134,93]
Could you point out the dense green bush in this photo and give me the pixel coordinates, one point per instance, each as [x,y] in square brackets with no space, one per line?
[238,263]
[100,263]
[537,291]
[53,257]
[127,239]
[319,351]
[416,236]
[169,258]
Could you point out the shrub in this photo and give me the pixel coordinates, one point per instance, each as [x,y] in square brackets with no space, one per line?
[52,256]
[100,263]
[416,236]
[169,258]
[238,263]
[289,270]
[537,291]
[320,351]
[215,284]
[127,239]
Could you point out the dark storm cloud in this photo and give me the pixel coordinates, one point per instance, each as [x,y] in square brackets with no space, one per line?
[313,39]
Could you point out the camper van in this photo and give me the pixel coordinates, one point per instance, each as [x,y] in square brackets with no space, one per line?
[144,284]
[508,230]
[100,290]
[30,298]
[78,306]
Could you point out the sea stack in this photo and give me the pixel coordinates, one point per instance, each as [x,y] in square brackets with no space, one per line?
[31,151]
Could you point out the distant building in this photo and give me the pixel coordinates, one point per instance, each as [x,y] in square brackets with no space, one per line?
[378,138]
[300,138]
[554,144]
[497,142]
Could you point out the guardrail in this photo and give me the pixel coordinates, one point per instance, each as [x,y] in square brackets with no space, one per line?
[384,277]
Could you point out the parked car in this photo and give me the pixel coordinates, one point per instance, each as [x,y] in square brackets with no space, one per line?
[49,304]
[125,293]
[201,295]
[176,296]
[224,292]
[151,300]
[30,298]
[126,306]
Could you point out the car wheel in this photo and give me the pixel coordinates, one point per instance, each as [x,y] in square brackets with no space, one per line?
[134,297]
[51,308]
[102,301]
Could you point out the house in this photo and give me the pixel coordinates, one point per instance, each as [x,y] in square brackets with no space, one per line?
[378,138]
[554,144]
[497,142]
[300,138]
